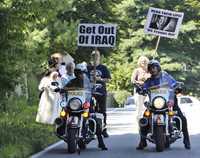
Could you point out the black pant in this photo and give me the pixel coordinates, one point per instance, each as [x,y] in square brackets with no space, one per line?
[144,130]
[101,105]
[99,133]
[184,123]
[184,120]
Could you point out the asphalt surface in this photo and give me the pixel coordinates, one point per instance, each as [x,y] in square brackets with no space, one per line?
[123,140]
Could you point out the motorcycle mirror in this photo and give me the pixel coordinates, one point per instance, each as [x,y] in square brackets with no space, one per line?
[147,104]
[62,104]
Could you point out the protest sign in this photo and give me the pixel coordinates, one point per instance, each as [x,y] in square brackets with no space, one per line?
[97,35]
[164,23]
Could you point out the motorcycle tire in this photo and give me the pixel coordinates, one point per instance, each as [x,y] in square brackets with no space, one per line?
[160,138]
[72,140]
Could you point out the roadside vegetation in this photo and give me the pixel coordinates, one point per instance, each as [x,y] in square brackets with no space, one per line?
[20,134]
[31,30]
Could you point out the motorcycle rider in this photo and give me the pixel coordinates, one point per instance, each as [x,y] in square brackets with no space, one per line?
[158,76]
[82,81]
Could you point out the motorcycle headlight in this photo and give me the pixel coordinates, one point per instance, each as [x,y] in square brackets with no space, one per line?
[75,103]
[159,102]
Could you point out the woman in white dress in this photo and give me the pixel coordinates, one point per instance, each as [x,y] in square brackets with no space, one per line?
[49,108]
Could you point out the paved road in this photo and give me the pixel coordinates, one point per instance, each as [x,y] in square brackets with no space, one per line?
[124,139]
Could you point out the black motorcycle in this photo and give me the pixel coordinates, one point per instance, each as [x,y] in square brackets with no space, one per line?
[77,125]
[162,124]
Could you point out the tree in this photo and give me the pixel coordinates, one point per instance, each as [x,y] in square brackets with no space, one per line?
[172,53]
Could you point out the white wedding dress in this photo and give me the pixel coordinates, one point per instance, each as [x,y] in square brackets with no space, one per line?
[49,108]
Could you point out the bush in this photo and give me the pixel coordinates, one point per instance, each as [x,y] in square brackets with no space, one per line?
[120,97]
[20,135]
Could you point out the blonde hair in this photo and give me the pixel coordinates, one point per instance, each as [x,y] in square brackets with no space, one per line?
[142,58]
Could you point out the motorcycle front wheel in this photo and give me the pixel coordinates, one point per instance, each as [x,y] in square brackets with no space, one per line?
[72,140]
[160,138]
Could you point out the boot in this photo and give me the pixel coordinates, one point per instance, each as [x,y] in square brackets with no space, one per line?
[103,147]
[104,133]
[187,144]
[186,138]
[101,143]
[142,144]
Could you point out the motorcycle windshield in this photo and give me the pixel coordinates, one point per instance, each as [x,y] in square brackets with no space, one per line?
[83,95]
[162,90]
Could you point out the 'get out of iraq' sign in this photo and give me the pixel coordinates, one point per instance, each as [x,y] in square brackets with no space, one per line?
[97,35]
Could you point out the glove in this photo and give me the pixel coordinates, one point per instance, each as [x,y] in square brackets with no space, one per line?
[145,91]
[141,91]
[57,90]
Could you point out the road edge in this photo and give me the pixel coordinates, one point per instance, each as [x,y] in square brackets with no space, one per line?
[46,149]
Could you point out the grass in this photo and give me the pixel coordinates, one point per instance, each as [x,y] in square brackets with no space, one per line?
[20,135]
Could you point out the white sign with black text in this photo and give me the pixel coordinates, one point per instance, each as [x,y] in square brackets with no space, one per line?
[163,23]
[97,35]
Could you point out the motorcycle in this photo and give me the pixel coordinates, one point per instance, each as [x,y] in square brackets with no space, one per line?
[163,126]
[76,125]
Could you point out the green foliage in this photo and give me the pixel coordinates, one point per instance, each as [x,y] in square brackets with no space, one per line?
[120,74]
[21,135]
[120,96]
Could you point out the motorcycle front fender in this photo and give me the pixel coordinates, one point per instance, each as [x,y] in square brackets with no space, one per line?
[73,122]
[159,119]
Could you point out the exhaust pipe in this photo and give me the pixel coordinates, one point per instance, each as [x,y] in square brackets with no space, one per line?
[143,122]
[59,130]
[93,123]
